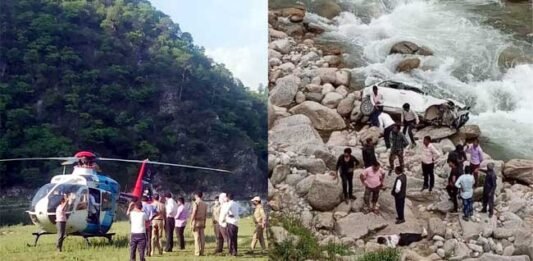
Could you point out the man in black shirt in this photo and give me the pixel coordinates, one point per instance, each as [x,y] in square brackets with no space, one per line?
[458,156]
[345,167]
[399,191]
[452,190]
[369,154]
[489,189]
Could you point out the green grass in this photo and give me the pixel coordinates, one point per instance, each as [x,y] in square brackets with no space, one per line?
[308,246]
[388,254]
[14,240]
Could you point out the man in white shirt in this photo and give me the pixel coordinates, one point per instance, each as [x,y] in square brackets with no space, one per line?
[138,221]
[386,124]
[409,120]
[466,184]
[377,100]
[171,209]
[230,215]
[223,226]
[429,155]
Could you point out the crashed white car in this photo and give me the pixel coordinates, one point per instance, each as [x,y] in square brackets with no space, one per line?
[434,111]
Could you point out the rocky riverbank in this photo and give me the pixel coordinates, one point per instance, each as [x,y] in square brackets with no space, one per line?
[314,114]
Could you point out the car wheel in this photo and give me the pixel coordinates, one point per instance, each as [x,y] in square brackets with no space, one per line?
[366,106]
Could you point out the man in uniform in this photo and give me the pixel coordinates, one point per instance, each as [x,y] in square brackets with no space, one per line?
[158,224]
[198,219]
[260,223]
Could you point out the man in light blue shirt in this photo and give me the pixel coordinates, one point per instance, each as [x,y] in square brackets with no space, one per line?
[466,185]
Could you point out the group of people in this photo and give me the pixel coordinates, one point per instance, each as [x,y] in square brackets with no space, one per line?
[150,217]
[396,142]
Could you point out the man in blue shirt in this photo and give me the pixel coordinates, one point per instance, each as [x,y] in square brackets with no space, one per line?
[466,185]
[150,211]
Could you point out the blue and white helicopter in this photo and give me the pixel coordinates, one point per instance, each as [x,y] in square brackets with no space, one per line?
[92,196]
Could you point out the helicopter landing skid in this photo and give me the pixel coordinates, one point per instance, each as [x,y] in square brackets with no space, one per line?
[109,236]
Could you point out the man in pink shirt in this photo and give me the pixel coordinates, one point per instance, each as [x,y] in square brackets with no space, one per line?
[476,157]
[372,178]
[181,220]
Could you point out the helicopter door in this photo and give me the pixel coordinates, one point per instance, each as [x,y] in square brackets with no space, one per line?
[94,206]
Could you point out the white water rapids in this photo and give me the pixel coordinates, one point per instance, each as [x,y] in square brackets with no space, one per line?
[464,65]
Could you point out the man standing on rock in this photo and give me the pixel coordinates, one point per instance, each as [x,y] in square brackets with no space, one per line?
[369,153]
[399,192]
[377,100]
[372,178]
[466,184]
[429,155]
[458,156]
[489,189]
[386,124]
[345,166]
[455,173]
[476,157]
[398,144]
[409,120]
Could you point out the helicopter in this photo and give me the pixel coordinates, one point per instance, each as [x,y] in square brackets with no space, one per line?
[92,195]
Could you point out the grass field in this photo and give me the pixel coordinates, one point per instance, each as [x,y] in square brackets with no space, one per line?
[14,240]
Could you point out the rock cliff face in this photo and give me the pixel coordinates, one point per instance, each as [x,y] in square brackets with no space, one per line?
[321,117]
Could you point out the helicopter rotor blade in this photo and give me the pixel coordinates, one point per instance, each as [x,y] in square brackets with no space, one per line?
[67,159]
[164,164]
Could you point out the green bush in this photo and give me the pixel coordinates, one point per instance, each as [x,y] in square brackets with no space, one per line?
[388,254]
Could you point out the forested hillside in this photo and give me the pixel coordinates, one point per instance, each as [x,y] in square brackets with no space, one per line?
[121,79]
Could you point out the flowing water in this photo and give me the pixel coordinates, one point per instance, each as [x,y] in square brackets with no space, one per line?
[483,56]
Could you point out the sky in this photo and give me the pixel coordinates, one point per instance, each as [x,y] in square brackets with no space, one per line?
[233,32]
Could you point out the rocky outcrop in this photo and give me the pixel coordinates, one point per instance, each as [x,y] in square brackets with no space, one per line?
[408,64]
[327,8]
[406,47]
[436,133]
[322,117]
[325,193]
[285,90]
[519,169]
[358,225]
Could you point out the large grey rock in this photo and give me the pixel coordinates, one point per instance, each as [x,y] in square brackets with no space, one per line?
[327,75]
[324,220]
[281,45]
[358,225]
[493,257]
[309,57]
[519,169]
[285,90]
[332,99]
[449,246]
[373,133]
[523,243]
[327,8]
[302,188]
[406,47]
[436,227]
[345,107]
[280,234]
[322,117]
[270,190]
[284,132]
[279,174]
[461,251]
[356,114]
[472,229]
[312,165]
[293,179]
[470,131]
[271,115]
[408,65]
[314,96]
[343,78]
[325,193]
[435,133]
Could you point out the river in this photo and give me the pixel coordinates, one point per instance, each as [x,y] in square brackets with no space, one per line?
[479,51]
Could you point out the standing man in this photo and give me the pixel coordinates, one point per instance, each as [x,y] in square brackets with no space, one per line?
[138,229]
[489,190]
[455,173]
[345,166]
[216,226]
[260,224]
[399,192]
[230,214]
[458,156]
[150,212]
[158,224]
[369,153]
[398,144]
[372,178]
[409,120]
[198,219]
[180,222]
[377,100]
[223,225]
[476,157]
[61,222]
[170,209]
[429,155]
[386,124]
[466,184]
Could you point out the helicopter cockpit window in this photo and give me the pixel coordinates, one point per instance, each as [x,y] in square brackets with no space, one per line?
[41,193]
[63,189]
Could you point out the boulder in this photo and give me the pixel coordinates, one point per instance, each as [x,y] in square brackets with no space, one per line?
[523,243]
[374,133]
[327,75]
[271,115]
[436,227]
[332,99]
[342,78]
[324,220]
[470,131]
[314,96]
[332,60]
[473,229]
[309,58]
[493,257]
[346,105]
[294,135]
[285,90]
[276,34]
[338,138]
[342,90]
[436,133]
[358,225]
[304,185]
[356,114]
[325,193]
[280,234]
[270,190]
[408,65]
[293,179]
[279,174]
[312,165]
[519,169]
[406,47]
[327,87]
[327,8]
[446,145]
[281,45]
[322,117]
